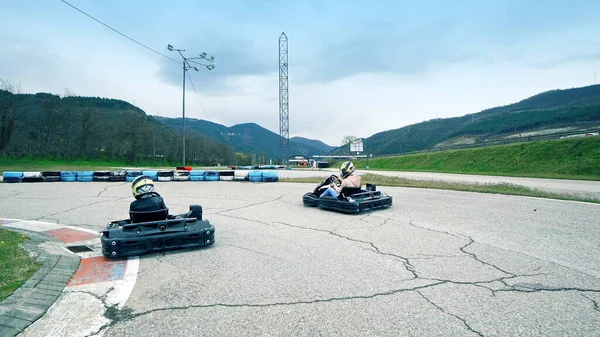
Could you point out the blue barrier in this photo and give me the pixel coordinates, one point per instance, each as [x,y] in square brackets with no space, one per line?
[212,176]
[12,177]
[68,176]
[270,176]
[255,176]
[151,173]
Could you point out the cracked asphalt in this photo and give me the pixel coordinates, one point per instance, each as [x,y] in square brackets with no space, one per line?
[438,263]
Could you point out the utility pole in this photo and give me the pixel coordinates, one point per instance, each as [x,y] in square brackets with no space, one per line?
[186,66]
[231,134]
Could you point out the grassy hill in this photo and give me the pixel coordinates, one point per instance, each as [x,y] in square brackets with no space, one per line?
[578,107]
[575,158]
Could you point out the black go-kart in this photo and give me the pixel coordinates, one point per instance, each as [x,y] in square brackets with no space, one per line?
[352,200]
[148,232]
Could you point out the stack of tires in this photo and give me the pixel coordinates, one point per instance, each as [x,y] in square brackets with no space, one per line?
[85,176]
[165,175]
[270,176]
[68,176]
[50,176]
[240,176]
[227,175]
[181,175]
[118,175]
[255,176]
[101,175]
[12,177]
[131,175]
[211,176]
[152,174]
[196,175]
[32,177]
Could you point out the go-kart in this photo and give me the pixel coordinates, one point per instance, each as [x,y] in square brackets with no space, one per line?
[351,200]
[147,232]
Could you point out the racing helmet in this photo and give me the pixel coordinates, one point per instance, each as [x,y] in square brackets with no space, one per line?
[347,169]
[142,185]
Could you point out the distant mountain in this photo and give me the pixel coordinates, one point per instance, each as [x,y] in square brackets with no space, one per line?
[577,107]
[317,146]
[248,137]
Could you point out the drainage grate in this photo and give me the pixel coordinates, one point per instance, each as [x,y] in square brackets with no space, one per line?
[79,249]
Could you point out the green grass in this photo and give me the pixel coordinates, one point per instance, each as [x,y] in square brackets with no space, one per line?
[576,158]
[16,266]
[35,165]
[507,189]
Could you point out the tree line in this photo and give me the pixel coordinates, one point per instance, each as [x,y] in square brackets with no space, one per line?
[73,127]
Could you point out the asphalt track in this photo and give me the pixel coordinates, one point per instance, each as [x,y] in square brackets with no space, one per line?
[438,263]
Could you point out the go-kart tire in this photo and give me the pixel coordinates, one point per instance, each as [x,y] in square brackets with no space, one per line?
[310,199]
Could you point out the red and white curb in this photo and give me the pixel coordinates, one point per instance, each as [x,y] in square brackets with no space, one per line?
[97,284]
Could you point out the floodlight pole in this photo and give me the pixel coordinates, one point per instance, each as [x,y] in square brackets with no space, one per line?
[186,66]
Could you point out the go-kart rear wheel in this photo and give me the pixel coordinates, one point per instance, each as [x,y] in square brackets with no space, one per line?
[310,199]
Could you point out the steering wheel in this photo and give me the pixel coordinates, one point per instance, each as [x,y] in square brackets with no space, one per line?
[336,180]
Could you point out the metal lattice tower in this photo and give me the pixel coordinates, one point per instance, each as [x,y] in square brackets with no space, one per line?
[284,116]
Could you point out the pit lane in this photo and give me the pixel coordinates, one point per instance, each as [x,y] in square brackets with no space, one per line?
[436,263]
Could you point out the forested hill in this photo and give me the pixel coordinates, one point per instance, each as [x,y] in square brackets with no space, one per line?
[577,107]
[45,125]
[91,127]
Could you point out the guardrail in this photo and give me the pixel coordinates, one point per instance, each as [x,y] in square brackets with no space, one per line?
[534,138]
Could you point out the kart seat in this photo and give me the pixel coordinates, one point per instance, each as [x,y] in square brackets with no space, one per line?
[158,215]
[349,190]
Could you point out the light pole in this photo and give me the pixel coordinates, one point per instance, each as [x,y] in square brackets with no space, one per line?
[186,66]
[230,134]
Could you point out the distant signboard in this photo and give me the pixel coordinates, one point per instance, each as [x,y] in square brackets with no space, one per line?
[356,146]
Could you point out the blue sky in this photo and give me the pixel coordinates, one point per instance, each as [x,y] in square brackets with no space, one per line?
[355,67]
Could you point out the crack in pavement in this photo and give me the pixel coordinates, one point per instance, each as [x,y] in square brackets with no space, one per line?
[254,251]
[596,306]
[450,314]
[12,195]
[126,316]
[250,205]
[78,207]
[111,186]
[409,267]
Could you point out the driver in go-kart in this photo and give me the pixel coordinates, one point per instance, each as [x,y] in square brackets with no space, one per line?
[348,179]
[146,200]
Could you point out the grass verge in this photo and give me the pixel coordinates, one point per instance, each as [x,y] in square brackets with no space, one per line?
[16,265]
[507,189]
[577,158]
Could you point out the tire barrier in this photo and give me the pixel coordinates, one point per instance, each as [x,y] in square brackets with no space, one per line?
[51,176]
[101,176]
[196,175]
[270,176]
[85,176]
[255,176]
[165,175]
[68,176]
[118,175]
[212,176]
[181,175]
[227,175]
[152,174]
[12,177]
[130,175]
[32,177]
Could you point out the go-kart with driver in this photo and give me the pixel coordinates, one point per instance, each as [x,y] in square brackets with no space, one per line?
[351,199]
[150,227]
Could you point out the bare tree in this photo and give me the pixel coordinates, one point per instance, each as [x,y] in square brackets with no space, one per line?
[8,112]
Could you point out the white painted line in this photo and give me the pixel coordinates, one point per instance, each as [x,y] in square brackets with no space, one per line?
[124,287]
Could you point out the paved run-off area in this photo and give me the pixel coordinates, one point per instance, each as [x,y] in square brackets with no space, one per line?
[436,263]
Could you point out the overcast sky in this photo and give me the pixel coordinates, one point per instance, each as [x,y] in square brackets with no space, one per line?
[355,67]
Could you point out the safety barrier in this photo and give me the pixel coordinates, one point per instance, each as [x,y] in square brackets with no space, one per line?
[130,175]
